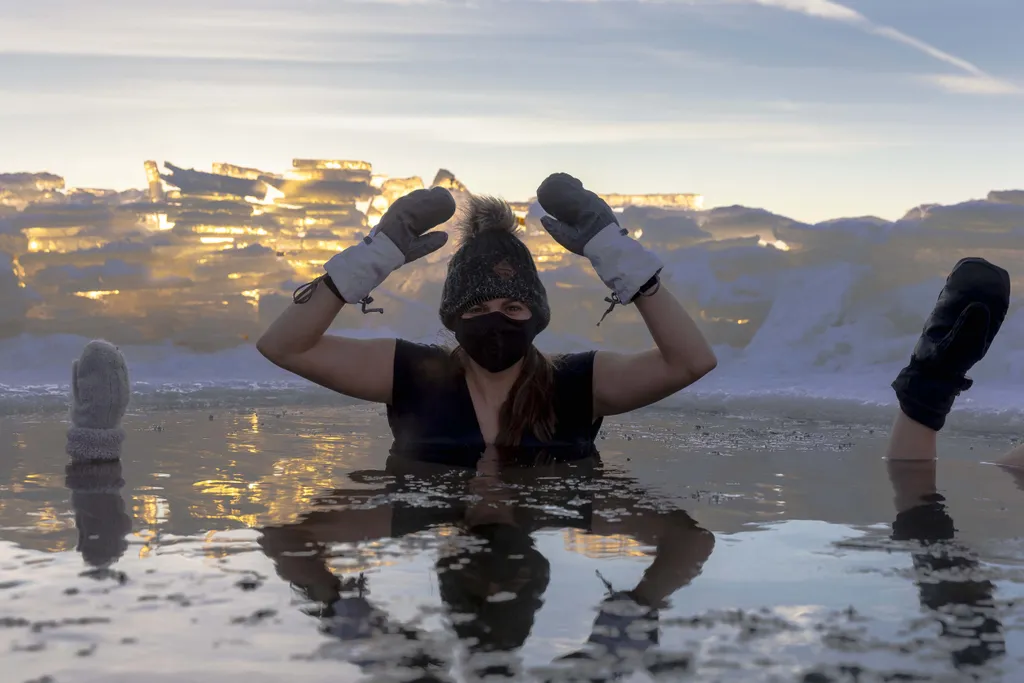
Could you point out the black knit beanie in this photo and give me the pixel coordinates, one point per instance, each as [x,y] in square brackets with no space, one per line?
[491,263]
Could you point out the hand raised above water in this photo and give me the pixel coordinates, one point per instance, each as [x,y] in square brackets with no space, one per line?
[584,224]
[576,215]
[401,237]
[100,392]
[100,388]
[410,218]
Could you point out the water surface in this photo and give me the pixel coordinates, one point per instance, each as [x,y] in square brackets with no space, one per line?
[285,543]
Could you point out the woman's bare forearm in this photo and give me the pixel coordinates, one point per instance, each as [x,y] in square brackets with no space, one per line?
[300,326]
[680,342]
[360,368]
[296,342]
[625,382]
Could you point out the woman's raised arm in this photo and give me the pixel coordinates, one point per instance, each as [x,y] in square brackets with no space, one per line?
[584,224]
[360,368]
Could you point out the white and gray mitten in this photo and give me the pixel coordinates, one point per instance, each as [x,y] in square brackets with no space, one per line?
[401,237]
[584,224]
[100,392]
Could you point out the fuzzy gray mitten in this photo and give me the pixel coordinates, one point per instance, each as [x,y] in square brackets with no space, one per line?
[100,392]
[401,237]
[584,224]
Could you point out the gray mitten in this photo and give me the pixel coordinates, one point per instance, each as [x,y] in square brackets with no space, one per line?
[398,239]
[584,224]
[100,392]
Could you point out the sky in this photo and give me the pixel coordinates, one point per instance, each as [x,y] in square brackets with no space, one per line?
[810,108]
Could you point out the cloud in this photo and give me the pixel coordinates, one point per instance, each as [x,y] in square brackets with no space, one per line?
[825,9]
[500,131]
[976,81]
[361,31]
[313,31]
[972,85]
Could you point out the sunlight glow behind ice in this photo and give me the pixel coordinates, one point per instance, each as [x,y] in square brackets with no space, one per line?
[186,274]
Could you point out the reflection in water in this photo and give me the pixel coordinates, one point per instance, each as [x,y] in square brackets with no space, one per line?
[450,570]
[491,576]
[100,515]
[946,573]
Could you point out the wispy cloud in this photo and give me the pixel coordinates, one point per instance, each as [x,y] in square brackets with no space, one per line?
[369,31]
[825,9]
[313,31]
[751,133]
[972,85]
[973,81]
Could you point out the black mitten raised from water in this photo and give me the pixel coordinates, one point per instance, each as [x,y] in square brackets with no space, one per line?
[967,316]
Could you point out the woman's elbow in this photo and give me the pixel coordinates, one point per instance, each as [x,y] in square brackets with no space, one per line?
[698,367]
[268,349]
[706,364]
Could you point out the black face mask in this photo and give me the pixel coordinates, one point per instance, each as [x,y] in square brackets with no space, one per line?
[495,341]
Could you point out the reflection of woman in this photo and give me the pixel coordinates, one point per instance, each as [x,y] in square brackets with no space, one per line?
[969,312]
[492,578]
[495,387]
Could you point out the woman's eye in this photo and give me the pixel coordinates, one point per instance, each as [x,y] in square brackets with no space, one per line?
[515,308]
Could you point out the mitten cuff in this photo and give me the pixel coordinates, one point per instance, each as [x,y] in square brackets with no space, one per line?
[362,267]
[622,263]
[85,444]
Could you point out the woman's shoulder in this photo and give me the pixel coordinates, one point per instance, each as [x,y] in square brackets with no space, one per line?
[574,372]
[426,361]
[568,364]
[413,349]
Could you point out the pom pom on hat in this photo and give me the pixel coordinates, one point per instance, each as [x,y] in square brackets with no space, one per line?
[491,263]
[485,214]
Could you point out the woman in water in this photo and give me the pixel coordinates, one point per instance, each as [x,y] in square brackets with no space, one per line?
[496,387]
